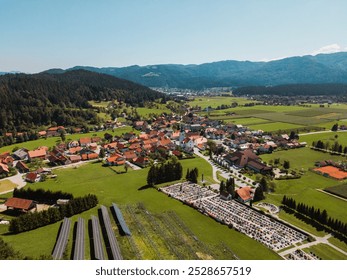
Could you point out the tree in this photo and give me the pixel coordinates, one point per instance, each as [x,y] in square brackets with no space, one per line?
[102,153]
[335,127]
[263,184]
[286,164]
[222,187]
[211,147]
[258,194]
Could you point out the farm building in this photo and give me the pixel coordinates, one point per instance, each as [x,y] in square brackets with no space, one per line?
[20,204]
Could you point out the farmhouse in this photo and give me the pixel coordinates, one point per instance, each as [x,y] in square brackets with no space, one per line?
[37,154]
[20,204]
[22,167]
[244,194]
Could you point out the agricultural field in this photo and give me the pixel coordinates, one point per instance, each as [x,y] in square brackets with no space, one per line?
[130,191]
[275,126]
[216,101]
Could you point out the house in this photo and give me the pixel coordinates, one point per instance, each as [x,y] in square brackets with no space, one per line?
[4,169]
[54,131]
[115,159]
[22,167]
[130,155]
[140,125]
[8,161]
[21,154]
[187,144]
[89,156]
[37,154]
[75,158]
[259,167]
[85,141]
[244,194]
[141,161]
[73,144]
[20,204]
[32,177]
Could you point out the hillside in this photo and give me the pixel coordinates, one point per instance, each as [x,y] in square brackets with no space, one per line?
[28,101]
[322,68]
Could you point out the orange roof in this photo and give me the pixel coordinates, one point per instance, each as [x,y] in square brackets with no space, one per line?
[85,140]
[42,133]
[244,193]
[75,150]
[19,203]
[37,153]
[93,156]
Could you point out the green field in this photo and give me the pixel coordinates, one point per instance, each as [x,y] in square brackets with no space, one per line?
[340,190]
[125,189]
[304,189]
[326,137]
[275,126]
[52,141]
[204,102]
[326,252]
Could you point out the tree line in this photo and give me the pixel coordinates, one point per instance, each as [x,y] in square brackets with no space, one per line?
[41,195]
[165,172]
[33,220]
[316,215]
[228,186]
[336,147]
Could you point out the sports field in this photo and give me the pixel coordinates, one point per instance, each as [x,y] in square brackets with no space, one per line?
[332,171]
[128,189]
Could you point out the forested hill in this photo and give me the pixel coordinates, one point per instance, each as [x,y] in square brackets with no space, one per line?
[296,89]
[308,69]
[28,101]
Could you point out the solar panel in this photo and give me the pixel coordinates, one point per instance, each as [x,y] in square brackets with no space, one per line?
[79,243]
[62,240]
[121,219]
[98,249]
[110,234]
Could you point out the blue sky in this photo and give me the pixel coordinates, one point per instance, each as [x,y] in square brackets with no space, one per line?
[36,35]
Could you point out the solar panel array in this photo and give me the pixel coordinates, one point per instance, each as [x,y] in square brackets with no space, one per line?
[62,240]
[110,234]
[121,219]
[79,243]
[98,249]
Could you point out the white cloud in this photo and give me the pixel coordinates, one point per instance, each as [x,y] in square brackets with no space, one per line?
[333,48]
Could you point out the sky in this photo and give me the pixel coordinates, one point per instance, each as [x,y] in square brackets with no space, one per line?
[36,35]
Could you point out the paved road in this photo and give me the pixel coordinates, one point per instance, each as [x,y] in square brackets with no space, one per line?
[319,132]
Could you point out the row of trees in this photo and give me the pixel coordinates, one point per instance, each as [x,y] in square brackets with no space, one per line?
[336,147]
[7,252]
[35,220]
[166,172]
[228,186]
[316,215]
[41,195]
[192,175]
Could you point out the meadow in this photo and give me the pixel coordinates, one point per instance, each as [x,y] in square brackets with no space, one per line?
[129,190]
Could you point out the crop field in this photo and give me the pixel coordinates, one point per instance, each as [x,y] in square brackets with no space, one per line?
[340,190]
[216,101]
[127,191]
[145,112]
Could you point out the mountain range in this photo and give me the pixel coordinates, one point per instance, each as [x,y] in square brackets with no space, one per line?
[308,69]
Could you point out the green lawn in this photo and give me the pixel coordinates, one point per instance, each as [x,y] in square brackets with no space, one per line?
[6,185]
[145,112]
[204,102]
[326,252]
[338,243]
[124,189]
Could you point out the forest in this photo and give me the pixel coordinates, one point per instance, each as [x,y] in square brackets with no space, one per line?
[30,101]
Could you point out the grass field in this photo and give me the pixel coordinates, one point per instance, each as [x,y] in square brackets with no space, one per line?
[204,102]
[304,189]
[125,189]
[51,141]
[340,190]
[326,252]
[6,185]
[275,126]
[326,137]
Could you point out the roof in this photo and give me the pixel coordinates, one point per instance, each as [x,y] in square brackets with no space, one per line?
[19,203]
[21,164]
[37,153]
[31,176]
[244,193]
[4,167]
[85,140]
